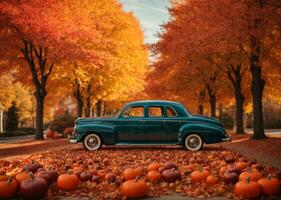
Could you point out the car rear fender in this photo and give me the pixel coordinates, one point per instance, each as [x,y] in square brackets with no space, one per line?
[209,134]
[107,133]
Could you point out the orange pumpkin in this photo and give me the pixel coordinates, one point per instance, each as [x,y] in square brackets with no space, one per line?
[199,175]
[241,165]
[153,175]
[212,180]
[139,170]
[269,185]
[130,173]
[68,181]
[154,166]
[134,189]
[22,176]
[254,175]
[222,170]
[8,188]
[4,177]
[247,189]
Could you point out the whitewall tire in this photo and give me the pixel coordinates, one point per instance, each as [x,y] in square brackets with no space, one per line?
[92,142]
[193,142]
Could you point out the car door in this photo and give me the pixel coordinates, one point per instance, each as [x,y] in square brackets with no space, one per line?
[129,125]
[172,123]
[154,126]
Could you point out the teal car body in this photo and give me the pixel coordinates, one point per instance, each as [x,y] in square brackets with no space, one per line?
[150,122]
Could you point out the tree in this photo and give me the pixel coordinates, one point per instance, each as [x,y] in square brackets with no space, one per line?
[12,118]
[31,33]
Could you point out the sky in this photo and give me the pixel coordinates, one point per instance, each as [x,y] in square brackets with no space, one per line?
[150,13]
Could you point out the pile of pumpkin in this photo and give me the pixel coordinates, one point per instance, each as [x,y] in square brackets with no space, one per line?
[32,181]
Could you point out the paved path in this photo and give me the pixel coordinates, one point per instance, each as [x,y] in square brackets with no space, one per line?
[16,139]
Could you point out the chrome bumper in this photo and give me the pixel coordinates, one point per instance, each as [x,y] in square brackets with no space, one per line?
[72,140]
[228,139]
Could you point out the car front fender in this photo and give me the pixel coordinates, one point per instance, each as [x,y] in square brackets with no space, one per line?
[209,133]
[107,133]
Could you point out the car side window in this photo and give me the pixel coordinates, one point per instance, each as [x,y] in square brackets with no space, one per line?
[171,112]
[155,111]
[135,111]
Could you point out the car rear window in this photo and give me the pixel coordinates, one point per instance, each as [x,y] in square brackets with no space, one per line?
[155,111]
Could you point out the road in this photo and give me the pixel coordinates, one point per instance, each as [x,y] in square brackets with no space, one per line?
[16,139]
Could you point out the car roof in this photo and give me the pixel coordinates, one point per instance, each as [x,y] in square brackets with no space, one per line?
[153,102]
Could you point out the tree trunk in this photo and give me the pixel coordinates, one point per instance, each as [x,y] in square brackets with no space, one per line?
[257,88]
[88,102]
[1,119]
[39,116]
[104,108]
[99,105]
[37,62]
[212,100]
[78,96]
[235,76]
[201,101]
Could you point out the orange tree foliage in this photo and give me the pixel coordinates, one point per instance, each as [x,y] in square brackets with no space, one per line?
[44,37]
[228,35]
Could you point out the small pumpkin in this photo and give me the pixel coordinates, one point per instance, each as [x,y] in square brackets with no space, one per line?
[130,173]
[22,176]
[45,176]
[247,189]
[241,165]
[171,175]
[68,181]
[254,175]
[169,165]
[53,174]
[222,170]
[153,176]
[269,186]
[33,166]
[8,188]
[33,188]
[199,175]
[85,176]
[4,177]
[212,180]
[230,177]
[134,188]
[154,166]
[101,173]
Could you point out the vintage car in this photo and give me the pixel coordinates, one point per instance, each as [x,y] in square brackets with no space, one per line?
[150,122]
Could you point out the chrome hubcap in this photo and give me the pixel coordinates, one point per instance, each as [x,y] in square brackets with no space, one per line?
[92,141]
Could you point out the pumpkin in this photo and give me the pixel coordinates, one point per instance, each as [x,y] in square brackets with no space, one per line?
[153,175]
[4,177]
[22,176]
[222,170]
[269,185]
[234,168]
[130,173]
[45,176]
[154,166]
[85,176]
[199,175]
[134,188]
[254,175]
[247,189]
[212,180]
[241,165]
[53,174]
[139,170]
[171,175]
[8,188]
[33,167]
[230,177]
[68,181]
[33,188]
[169,165]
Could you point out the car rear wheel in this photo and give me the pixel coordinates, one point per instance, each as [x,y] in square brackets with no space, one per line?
[193,142]
[92,142]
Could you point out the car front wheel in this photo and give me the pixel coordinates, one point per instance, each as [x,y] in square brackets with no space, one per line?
[92,142]
[193,142]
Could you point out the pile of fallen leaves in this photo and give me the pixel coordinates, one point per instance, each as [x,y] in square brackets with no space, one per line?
[113,173]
